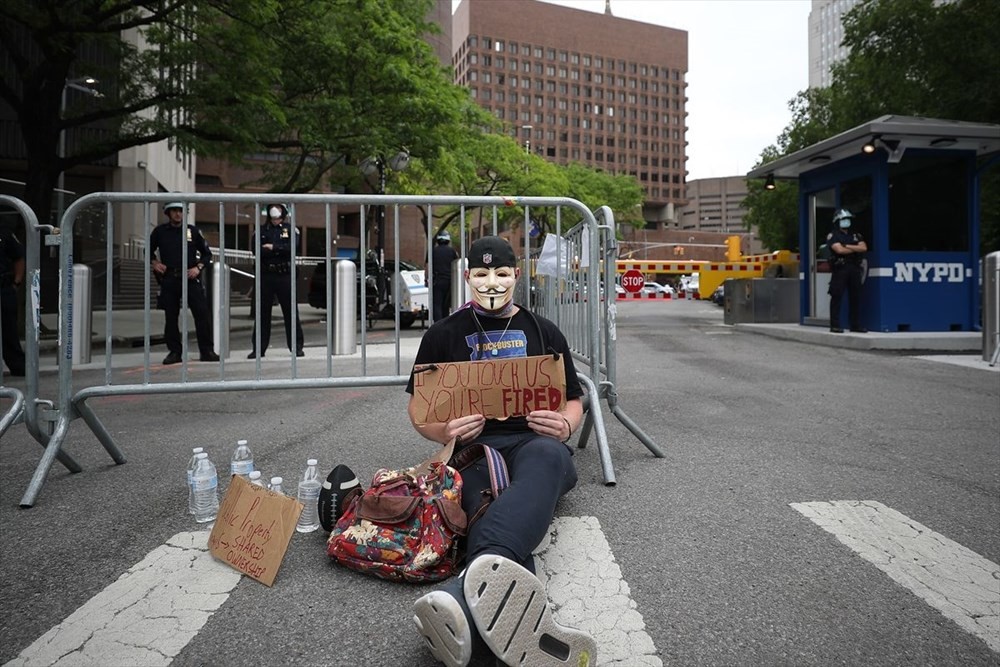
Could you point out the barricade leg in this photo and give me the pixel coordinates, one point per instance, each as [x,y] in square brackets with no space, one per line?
[45,464]
[99,431]
[14,413]
[594,415]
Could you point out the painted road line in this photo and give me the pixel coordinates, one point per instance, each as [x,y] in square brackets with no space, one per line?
[587,591]
[956,581]
[147,616]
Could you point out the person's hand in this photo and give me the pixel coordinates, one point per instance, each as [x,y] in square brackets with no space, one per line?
[193,272]
[550,423]
[159,267]
[467,428]
[267,246]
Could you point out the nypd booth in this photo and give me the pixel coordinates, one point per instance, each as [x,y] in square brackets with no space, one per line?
[912,185]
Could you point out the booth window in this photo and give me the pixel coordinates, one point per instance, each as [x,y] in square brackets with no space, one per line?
[928,206]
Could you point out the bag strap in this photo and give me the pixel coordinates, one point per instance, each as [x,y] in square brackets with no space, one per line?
[499,478]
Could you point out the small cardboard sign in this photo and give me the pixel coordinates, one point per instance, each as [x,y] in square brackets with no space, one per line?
[496,388]
[253,529]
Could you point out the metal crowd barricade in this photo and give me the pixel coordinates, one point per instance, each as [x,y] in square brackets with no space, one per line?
[28,407]
[579,314]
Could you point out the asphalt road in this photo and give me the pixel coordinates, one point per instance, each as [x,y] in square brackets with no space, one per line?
[722,570]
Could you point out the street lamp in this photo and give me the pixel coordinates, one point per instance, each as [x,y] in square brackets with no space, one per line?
[83,84]
[398,162]
[527,138]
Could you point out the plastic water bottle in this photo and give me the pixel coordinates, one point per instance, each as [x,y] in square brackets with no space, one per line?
[276,485]
[308,495]
[242,462]
[256,480]
[194,459]
[205,482]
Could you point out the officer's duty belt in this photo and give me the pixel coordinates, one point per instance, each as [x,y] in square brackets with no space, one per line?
[279,267]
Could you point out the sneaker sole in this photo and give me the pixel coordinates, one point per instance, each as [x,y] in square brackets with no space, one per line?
[511,611]
[441,623]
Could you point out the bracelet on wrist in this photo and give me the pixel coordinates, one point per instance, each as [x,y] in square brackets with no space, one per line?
[569,428]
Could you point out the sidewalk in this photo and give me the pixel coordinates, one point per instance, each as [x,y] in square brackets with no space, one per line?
[128,328]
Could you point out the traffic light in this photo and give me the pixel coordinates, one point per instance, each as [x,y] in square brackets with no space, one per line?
[733,249]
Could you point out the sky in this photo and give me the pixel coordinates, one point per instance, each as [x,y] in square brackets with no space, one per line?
[746,60]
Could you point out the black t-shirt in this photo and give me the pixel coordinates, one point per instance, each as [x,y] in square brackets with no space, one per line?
[457,338]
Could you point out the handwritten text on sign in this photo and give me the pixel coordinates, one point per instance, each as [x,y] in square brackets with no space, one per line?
[497,389]
[253,528]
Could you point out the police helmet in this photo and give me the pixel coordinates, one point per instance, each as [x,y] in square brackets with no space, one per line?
[443,236]
[842,214]
[173,204]
[276,211]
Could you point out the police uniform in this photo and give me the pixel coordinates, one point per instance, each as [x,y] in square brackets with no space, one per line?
[276,281]
[846,275]
[443,255]
[165,241]
[11,252]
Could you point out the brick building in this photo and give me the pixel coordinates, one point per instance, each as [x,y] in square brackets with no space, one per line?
[578,86]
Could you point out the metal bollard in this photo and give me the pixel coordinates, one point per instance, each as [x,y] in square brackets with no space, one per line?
[219,281]
[345,300]
[81,318]
[991,308]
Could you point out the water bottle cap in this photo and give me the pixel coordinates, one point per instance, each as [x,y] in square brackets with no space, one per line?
[255,474]
[241,442]
[311,462]
[276,480]
[198,450]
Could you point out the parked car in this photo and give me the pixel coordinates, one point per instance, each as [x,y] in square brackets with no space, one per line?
[656,288]
[719,295]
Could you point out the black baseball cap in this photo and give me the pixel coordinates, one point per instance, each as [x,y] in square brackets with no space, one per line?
[491,252]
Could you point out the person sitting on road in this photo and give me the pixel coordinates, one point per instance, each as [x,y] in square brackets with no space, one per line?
[456,617]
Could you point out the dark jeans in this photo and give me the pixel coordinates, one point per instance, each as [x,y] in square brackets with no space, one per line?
[277,285]
[12,352]
[846,278]
[170,299]
[541,470]
[442,298]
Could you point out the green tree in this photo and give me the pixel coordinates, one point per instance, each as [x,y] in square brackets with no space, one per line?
[907,57]
[322,82]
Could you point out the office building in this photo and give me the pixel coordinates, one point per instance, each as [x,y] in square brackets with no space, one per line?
[825,36]
[714,205]
[578,86]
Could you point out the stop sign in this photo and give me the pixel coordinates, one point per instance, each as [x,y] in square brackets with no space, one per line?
[632,281]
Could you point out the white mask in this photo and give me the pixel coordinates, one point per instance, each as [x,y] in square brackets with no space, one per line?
[845,224]
[492,288]
[274,212]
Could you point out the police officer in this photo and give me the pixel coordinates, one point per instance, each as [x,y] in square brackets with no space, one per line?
[443,255]
[848,250]
[11,277]
[165,243]
[276,280]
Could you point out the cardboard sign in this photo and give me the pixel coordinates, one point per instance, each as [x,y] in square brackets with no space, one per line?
[496,388]
[253,529]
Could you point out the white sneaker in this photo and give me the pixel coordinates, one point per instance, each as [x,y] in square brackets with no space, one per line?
[511,611]
[441,622]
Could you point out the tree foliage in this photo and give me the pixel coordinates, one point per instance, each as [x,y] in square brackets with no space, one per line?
[323,82]
[907,57]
